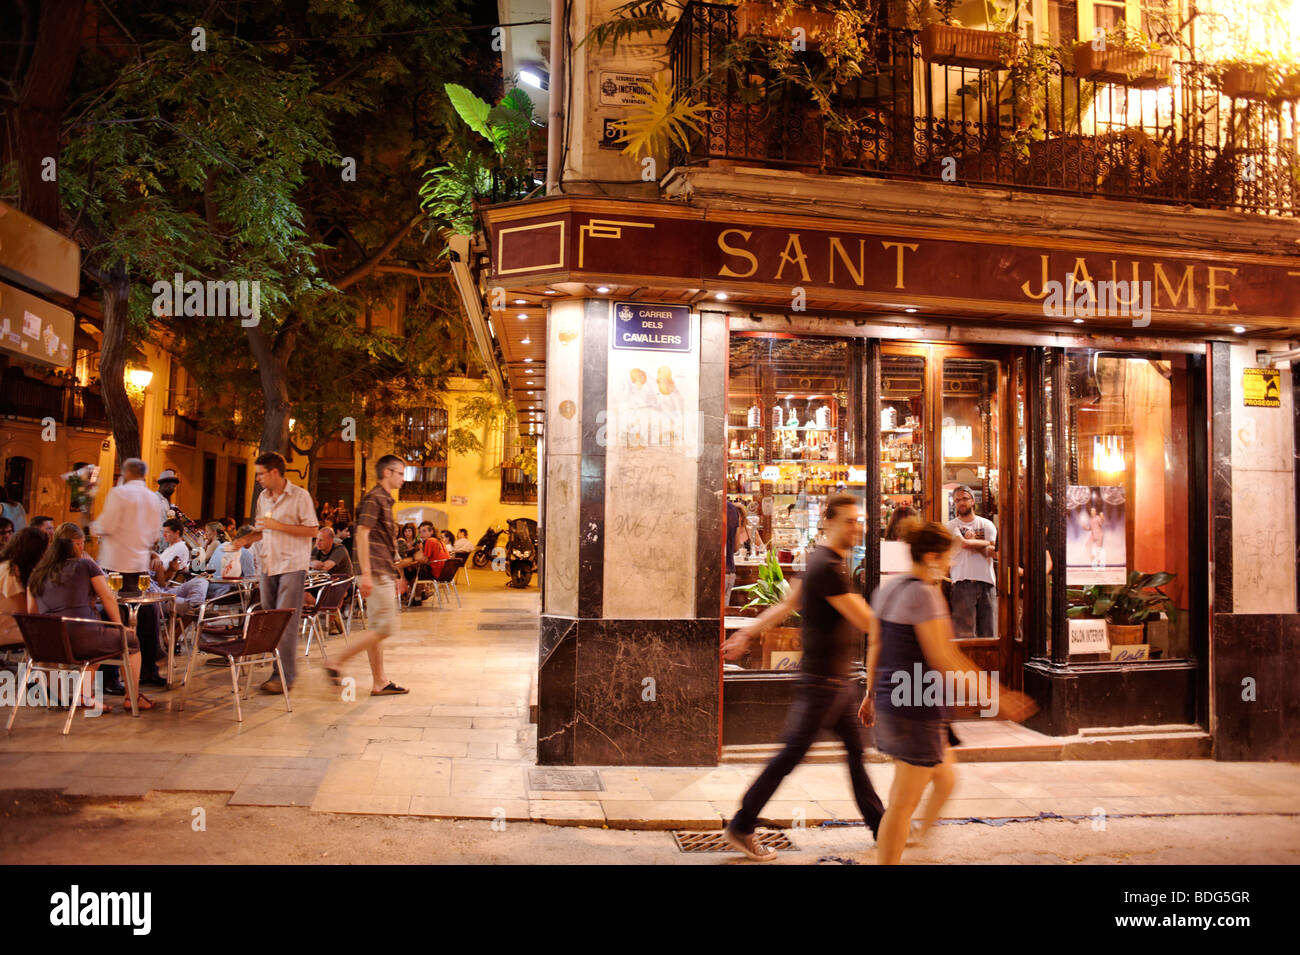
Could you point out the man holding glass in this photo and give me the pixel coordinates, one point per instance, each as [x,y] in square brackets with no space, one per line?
[286,525]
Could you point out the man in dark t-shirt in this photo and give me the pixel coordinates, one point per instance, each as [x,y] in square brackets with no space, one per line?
[833,613]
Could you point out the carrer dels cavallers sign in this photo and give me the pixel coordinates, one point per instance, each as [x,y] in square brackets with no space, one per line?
[718,251]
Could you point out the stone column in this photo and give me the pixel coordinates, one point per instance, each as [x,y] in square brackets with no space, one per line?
[629,665]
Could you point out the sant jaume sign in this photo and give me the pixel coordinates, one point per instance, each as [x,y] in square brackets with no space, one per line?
[644,327]
[853,262]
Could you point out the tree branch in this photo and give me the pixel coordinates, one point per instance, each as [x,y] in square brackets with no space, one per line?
[368,266]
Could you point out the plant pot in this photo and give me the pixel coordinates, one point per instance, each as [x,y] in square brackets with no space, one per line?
[1253,83]
[1126,67]
[962,46]
[778,639]
[760,19]
[1124,634]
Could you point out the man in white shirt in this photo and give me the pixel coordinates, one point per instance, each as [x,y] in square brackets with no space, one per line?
[974,591]
[463,544]
[286,525]
[174,559]
[127,530]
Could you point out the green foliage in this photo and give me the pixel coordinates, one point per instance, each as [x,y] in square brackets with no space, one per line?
[771,587]
[660,120]
[1133,602]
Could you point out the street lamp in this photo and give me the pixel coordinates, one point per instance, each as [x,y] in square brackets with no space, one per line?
[139,378]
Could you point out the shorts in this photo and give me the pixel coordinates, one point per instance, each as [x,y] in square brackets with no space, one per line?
[918,742]
[381,607]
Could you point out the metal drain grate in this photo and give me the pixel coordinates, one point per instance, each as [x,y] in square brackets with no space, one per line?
[715,841]
[529,624]
[565,780]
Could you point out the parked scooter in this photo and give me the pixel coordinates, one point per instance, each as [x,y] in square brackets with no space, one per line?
[482,555]
[521,552]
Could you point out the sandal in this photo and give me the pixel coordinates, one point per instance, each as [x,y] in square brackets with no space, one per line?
[142,702]
[392,689]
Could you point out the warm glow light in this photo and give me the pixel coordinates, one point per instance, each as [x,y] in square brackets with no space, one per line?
[139,377]
[602,290]
[722,296]
[1107,453]
[292,422]
[958,440]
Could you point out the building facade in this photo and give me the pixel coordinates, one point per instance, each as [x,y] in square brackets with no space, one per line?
[1070,288]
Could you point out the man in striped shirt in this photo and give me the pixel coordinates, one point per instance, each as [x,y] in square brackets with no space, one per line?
[380,582]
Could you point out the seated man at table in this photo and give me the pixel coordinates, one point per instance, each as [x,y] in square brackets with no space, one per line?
[329,556]
[170,564]
[216,564]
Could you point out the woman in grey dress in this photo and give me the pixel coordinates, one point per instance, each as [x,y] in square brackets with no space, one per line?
[65,583]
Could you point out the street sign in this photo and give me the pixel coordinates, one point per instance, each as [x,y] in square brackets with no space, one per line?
[652,327]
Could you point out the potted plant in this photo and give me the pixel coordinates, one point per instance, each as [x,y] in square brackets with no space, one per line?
[777,21]
[1258,78]
[1127,607]
[770,589]
[948,43]
[1126,56]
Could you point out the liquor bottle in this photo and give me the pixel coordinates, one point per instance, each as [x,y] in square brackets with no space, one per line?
[755,416]
[824,416]
[777,416]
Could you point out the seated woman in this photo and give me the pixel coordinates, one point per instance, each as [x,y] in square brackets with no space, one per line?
[409,551]
[214,535]
[18,559]
[66,583]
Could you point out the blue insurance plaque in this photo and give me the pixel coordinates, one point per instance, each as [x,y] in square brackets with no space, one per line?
[652,327]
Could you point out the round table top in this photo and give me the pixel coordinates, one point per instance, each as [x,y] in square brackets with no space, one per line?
[149,598]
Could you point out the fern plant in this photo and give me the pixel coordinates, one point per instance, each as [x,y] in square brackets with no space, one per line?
[660,120]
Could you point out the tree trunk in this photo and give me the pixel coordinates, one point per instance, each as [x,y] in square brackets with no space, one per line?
[273,372]
[40,106]
[112,363]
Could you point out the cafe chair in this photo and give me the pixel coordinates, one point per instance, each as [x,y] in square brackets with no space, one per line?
[446,578]
[421,580]
[49,650]
[255,643]
[356,608]
[316,618]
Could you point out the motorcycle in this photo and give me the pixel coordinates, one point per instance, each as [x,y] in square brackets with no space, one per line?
[521,552]
[482,555]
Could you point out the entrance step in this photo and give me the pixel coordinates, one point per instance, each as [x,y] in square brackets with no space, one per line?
[989,741]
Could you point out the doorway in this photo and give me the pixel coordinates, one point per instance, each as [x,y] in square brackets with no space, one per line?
[950,424]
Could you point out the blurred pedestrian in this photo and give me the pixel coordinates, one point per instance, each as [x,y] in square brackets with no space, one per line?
[833,616]
[911,637]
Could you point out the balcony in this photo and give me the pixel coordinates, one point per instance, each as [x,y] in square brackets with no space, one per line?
[517,487]
[24,397]
[1048,130]
[87,411]
[178,429]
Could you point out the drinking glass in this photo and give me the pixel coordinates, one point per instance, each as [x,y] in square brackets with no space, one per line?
[115,581]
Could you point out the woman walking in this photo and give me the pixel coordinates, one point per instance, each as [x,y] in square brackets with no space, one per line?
[910,633]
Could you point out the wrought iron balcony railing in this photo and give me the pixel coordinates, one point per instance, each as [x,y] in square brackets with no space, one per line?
[178,429]
[1179,141]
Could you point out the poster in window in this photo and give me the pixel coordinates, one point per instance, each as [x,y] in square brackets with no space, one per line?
[1094,536]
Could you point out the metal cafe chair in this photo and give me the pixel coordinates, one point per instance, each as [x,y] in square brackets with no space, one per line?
[423,581]
[356,608]
[329,602]
[446,578]
[49,650]
[256,643]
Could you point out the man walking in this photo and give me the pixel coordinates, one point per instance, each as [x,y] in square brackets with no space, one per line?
[827,694]
[286,525]
[377,556]
[974,596]
[128,530]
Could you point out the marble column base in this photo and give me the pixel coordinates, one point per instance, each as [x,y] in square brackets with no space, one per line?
[628,692]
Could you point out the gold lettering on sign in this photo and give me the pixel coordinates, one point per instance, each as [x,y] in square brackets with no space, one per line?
[1188,282]
[726,272]
[1215,287]
[1042,293]
[1136,287]
[798,258]
[838,247]
[898,282]
[1080,266]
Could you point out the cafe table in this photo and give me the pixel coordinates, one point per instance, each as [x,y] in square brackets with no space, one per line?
[137,601]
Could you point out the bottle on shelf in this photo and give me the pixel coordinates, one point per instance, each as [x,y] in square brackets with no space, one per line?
[755,416]
[777,415]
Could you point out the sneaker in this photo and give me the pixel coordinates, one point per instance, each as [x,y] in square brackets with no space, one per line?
[748,846]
